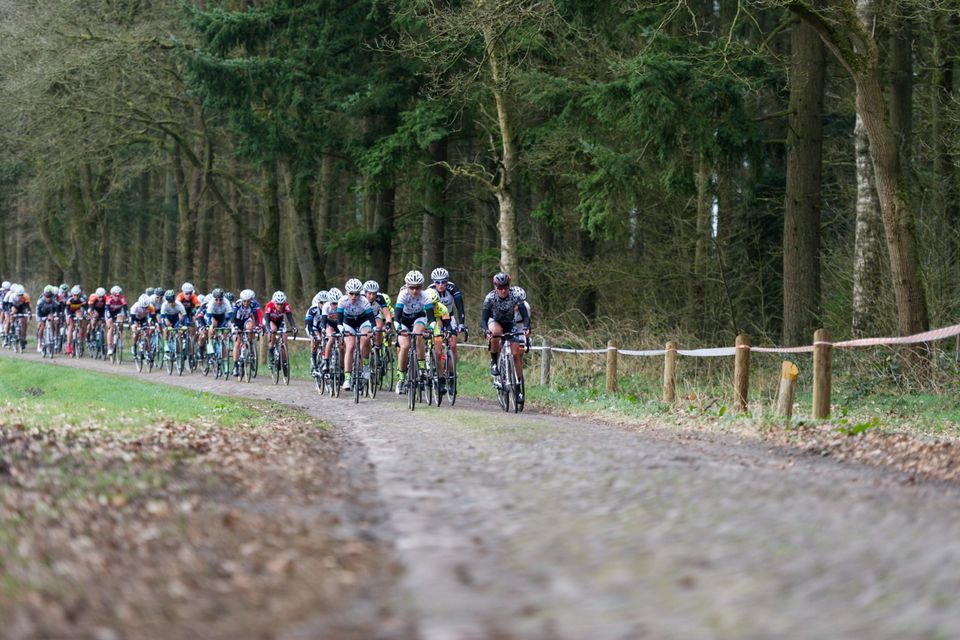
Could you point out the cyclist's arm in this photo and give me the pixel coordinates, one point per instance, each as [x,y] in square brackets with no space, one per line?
[458,300]
[293,322]
[524,316]
[428,309]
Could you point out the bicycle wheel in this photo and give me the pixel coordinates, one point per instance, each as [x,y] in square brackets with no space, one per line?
[206,362]
[274,363]
[138,355]
[503,388]
[336,378]
[519,396]
[169,356]
[253,362]
[284,363]
[373,384]
[118,347]
[430,374]
[413,376]
[451,373]
[181,355]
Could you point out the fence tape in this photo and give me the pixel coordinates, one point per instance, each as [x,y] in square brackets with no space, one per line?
[926,336]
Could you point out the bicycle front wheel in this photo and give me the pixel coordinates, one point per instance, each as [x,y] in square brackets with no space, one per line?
[284,363]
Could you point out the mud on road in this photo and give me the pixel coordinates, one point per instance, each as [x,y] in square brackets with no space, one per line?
[538,526]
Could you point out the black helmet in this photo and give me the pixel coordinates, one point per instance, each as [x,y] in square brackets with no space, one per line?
[501,280]
[229,296]
[217,293]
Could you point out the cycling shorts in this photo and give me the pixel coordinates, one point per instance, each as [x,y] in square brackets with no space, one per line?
[141,322]
[352,329]
[409,322]
[171,320]
[220,318]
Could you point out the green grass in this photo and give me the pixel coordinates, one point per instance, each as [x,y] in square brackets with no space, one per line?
[36,393]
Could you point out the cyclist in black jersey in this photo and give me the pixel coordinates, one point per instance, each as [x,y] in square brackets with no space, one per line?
[497,318]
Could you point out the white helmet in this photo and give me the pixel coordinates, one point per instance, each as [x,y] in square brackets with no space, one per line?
[439,274]
[321,297]
[116,290]
[17,289]
[279,297]
[100,292]
[353,286]
[144,300]
[187,288]
[371,285]
[335,294]
[202,298]
[6,285]
[247,294]
[76,290]
[413,279]
[518,292]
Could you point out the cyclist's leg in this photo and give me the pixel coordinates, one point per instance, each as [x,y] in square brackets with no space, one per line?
[517,349]
[496,331]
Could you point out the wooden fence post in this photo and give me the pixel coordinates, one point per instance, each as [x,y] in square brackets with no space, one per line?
[741,373]
[788,384]
[670,373]
[822,374]
[545,356]
[611,366]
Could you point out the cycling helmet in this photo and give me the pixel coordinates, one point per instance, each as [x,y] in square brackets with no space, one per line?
[6,285]
[434,295]
[187,288]
[247,294]
[169,295]
[216,294]
[201,299]
[335,295]
[440,274]
[49,290]
[76,290]
[353,286]
[158,291]
[144,300]
[64,287]
[115,290]
[229,296]
[501,280]
[17,289]
[279,297]
[148,292]
[371,285]
[100,292]
[322,296]
[518,293]
[413,279]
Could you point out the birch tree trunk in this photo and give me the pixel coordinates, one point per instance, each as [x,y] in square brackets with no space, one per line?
[801,225]
[867,239]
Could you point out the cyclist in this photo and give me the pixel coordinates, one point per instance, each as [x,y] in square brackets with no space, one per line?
[172,315]
[499,309]
[451,297]
[188,298]
[330,321]
[275,315]
[157,300]
[116,307]
[142,314]
[4,292]
[47,311]
[75,308]
[413,312]
[314,323]
[219,313]
[383,309]
[96,309]
[443,322]
[247,316]
[355,315]
[18,304]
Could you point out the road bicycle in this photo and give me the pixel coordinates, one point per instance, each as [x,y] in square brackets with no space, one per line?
[248,358]
[447,370]
[280,360]
[331,378]
[145,348]
[362,383]
[382,361]
[217,356]
[15,337]
[49,340]
[117,329]
[506,383]
[415,384]
[77,343]
[96,342]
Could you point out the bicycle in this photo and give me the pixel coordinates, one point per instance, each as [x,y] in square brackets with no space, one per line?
[49,344]
[77,343]
[414,383]
[140,349]
[332,377]
[248,358]
[448,370]
[383,356]
[218,358]
[15,336]
[361,383]
[96,343]
[117,356]
[507,383]
[280,362]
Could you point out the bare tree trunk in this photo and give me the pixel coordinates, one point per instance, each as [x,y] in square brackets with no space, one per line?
[945,194]
[434,209]
[168,250]
[270,230]
[901,89]
[239,267]
[185,227]
[503,188]
[801,224]
[323,193]
[697,302]
[867,241]
[204,206]
[383,225]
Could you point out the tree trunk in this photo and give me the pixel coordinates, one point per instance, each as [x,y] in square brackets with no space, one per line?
[434,208]
[943,129]
[301,182]
[507,224]
[801,225]
[185,228]
[324,192]
[239,267]
[168,250]
[383,225]
[901,89]
[867,241]
[697,301]
[270,230]
[204,206]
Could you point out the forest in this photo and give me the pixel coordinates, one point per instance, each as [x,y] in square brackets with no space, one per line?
[696,168]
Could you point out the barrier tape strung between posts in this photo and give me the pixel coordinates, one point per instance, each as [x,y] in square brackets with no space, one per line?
[927,336]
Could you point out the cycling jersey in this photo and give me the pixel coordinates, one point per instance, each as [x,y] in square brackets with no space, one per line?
[502,310]
[451,297]
[142,310]
[74,305]
[518,320]
[410,308]
[441,312]
[189,302]
[249,311]
[330,316]
[172,312]
[314,320]
[46,308]
[18,304]
[219,309]
[97,305]
[276,313]
[115,305]
[385,302]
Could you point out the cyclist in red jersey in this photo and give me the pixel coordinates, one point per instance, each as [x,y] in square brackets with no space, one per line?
[116,310]
[275,314]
